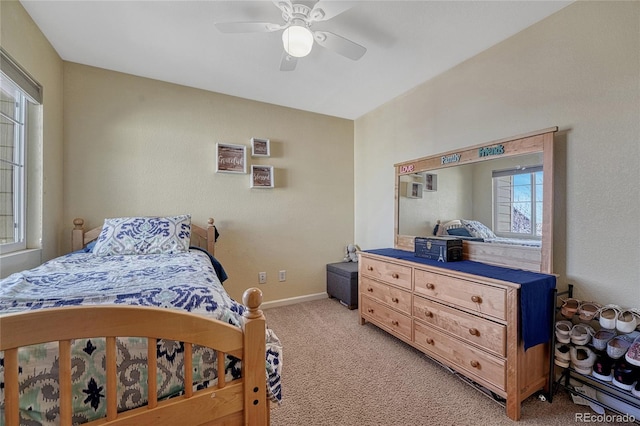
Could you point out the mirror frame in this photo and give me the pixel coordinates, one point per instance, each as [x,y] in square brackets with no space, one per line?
[520,257]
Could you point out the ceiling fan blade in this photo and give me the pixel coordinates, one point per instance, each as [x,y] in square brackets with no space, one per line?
[324,10]
[284,5]
[288,62]
[247,27]
[340,45]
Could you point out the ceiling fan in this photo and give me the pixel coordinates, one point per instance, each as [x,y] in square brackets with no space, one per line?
[297,37]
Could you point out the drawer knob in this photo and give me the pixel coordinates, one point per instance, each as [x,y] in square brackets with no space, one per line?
[476,299]
[394,300]
[475,364]
[430,286]
[369,268]
[395,275]
[428,313]
[474,332]
[429,341]
[370,310]
[394,322]
[369,289]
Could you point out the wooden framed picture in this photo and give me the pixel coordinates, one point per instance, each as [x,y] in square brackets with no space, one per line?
[414,190]
[260,147]
[231,158]
[262,176]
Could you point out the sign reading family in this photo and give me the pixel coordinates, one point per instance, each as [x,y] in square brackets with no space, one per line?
[453,158]
[488,151]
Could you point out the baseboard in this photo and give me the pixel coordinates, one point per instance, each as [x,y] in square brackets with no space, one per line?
[293,300]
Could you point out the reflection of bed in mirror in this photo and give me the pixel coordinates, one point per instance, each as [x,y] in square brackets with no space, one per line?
[472,230]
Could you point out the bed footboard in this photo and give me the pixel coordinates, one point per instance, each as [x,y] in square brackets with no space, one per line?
[241,401]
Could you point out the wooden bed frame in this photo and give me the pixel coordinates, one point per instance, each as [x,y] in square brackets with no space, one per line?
[240,402]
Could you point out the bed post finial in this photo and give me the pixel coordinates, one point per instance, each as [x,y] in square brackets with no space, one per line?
[78,223]
[252,299]
[210,222]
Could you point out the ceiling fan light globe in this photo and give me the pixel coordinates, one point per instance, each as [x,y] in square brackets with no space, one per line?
[297,41]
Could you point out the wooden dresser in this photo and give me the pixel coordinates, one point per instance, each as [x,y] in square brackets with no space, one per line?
[467,322]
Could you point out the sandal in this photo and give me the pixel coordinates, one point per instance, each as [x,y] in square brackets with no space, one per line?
[569,307]
[608,315]
[627,320]
[581,334]
[588,310]
[563,329]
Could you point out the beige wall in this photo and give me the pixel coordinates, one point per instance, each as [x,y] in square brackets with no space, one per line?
[22,39]
[578,70]
[135,146]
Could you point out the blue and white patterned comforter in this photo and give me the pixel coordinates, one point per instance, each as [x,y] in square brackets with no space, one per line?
[185,281]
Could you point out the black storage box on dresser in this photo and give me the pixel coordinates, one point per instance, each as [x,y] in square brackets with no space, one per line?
[441,249]
[342,283]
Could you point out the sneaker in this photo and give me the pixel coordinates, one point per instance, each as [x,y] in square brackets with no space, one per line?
[633,353]
[636,389]
[562,356]
[601,338]
[619,345]
[581,334]
[603,368]
[624,375]
[563,329]
[582,359]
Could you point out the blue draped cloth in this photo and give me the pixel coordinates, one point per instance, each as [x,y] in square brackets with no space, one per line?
[536,291]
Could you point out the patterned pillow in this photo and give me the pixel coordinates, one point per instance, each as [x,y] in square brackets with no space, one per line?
[144,235]
[478,229]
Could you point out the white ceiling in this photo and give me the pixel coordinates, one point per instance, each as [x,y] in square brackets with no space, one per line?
[408,43]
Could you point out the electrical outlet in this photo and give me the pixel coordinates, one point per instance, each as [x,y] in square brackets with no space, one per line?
[262,277]
[282,275]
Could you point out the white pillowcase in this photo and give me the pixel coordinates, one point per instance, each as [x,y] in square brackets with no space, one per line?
[478,229]
[144,235]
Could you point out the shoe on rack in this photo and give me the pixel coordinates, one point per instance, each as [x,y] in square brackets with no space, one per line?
[601,338]
[587,311]
[581,334]
[603,368]
[636,389]
[627,320]
[569,307]
[608,315]
[563,329]
[562,355]
[619,345]
[582,359]
[624,375]
[633,353]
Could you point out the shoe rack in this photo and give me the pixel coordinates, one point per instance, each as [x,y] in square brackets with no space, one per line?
[569,374]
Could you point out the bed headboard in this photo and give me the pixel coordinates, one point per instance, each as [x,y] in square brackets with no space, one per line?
[200,236]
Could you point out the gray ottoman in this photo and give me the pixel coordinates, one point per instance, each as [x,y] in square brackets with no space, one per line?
[342,283]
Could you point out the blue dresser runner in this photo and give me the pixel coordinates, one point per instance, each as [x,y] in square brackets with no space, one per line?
[536,291]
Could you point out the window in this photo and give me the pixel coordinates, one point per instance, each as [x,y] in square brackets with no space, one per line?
[17,89]
[517,202]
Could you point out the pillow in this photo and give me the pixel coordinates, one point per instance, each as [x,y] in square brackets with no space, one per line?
[144,235]
[478,229]
[459,232]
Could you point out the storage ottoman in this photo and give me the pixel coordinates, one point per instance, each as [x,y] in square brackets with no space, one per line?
[342,283]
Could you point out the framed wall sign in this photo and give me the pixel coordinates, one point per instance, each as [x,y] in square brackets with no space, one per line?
[260,147]
[262,176]
[231,158]
[430,182]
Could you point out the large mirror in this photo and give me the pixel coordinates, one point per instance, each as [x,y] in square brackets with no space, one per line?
[497,197]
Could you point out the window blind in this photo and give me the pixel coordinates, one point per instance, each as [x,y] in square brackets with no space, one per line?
[20,77]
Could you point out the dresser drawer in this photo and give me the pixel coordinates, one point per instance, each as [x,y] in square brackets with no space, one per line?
[391,273]
[472,361]
[482,332]
[385,317]
[389,295]
[471,295]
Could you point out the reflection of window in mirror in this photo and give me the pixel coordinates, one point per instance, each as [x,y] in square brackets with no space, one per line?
[517,201]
